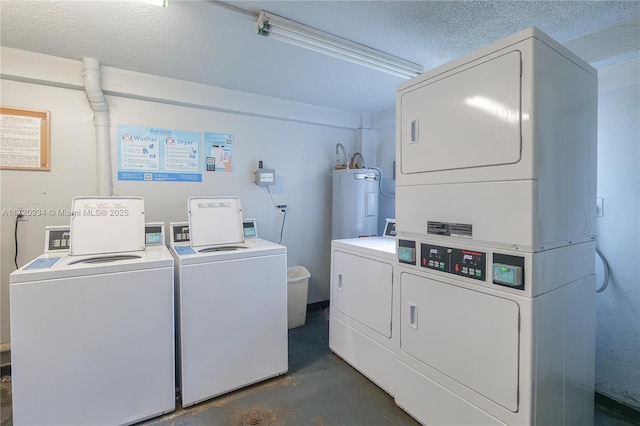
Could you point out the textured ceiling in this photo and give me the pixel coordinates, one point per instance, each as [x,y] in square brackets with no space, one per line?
[216,44]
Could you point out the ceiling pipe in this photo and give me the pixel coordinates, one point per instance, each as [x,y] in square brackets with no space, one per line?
[101,122]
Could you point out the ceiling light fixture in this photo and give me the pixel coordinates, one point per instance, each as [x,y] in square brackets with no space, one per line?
[161,3]
[277,27]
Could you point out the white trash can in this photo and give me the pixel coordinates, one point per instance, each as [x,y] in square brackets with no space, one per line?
[297,289]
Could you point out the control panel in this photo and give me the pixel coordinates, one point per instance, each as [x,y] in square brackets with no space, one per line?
[179,232]
[507,275]
[184,250]
[508,270]
[368,176]
[154,234]
[390,228]
[505,269]
[42,263]
[467,263]
[407,251]
[249,228]
[56,238]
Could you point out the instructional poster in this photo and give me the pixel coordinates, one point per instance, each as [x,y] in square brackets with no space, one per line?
[19,141]
[218,152]
[154,154]
[24,139]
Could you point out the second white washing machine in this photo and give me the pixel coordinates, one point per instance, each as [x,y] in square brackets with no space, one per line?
[360,321]
[231,302]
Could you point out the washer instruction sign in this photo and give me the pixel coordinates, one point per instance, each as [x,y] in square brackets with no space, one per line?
[155,154]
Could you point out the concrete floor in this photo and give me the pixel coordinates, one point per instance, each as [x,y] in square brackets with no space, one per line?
[320,389]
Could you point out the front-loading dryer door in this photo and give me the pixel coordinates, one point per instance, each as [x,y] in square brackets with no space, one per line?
[362,289]
[470,336]
[469,118]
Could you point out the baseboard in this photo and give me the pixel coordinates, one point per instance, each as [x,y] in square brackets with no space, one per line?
[616,407]
[5,370]
[318,306]
[5,358]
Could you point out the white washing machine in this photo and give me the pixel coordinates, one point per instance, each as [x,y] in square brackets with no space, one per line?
[495,209]
[92,337]
[360,320]
[231,300]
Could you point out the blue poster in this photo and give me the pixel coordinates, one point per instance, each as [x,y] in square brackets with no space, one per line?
[218,152]
[153,154]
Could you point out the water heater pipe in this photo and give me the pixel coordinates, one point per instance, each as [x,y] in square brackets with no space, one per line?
[339,165]
[353,164]
[605,265]
[101,122]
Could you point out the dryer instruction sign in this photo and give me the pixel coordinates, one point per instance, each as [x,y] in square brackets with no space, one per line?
[218,152]
[154,154]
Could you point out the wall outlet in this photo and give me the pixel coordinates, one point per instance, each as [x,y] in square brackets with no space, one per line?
[21,209]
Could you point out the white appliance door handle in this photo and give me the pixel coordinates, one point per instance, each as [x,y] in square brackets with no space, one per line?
[413,316]
[339,282]
[414,131]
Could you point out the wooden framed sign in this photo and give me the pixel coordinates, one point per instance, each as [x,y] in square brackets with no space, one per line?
[24,139]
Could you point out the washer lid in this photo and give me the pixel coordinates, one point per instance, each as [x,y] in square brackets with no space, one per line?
[106,225]
[215,221]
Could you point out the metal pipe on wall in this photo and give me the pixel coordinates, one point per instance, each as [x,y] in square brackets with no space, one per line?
[102,123]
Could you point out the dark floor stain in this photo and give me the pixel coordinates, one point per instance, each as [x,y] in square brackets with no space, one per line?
[256,417]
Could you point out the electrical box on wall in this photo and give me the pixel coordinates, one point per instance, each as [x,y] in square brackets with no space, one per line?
[265,177]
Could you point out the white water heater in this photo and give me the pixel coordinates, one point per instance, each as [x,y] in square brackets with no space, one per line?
[354,203]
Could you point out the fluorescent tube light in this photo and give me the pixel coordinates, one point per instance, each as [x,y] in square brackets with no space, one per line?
[277,27]
[161,3]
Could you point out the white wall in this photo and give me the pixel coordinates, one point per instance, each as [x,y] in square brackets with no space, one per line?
[618,307]
[385,124]
[297,140]
[72,173]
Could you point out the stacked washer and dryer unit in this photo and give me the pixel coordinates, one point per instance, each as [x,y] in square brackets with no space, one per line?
[494,286]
